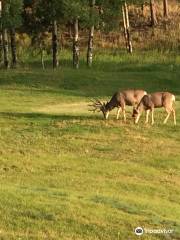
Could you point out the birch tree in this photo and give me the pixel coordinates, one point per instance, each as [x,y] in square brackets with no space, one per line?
[76,16]
[49,15]
[1,48]
[153,13]
[1,38]
[103,16]
[165,8]
[125,14]
[76,43]
[91,35]
[11,19]
[55,43]
[5,48]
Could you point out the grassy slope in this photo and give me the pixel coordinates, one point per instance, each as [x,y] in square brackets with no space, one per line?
[67,174]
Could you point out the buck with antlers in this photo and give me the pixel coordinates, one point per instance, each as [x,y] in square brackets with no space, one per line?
[119,100]
[155,100]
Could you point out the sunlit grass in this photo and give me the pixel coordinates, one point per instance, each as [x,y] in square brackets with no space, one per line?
[67,174]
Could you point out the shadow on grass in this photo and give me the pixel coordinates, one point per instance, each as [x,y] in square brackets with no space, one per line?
[103,79]
[110,66]
[60,117]
[60,91]
[118,61]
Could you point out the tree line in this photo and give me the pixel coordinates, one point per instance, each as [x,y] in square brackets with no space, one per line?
[35,17]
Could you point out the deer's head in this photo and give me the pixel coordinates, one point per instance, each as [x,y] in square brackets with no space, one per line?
[99,107]
[135,112]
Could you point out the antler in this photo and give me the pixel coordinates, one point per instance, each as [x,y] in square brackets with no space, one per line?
[96,104]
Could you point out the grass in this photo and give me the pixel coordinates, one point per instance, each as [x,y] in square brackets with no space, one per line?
[65,173]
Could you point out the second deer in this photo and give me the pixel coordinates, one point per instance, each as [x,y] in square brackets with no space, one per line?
[155,100]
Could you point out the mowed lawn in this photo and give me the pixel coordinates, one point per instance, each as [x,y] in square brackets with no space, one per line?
[65,173]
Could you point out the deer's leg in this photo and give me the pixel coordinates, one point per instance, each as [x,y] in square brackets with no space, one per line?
[152,116]
[123,106]
[147,116]
[174,115]
[107,115]
[124,114]
[118,112]
[137,118]
[168,114]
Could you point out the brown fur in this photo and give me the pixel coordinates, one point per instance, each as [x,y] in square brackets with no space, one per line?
[120,99]
[155,100]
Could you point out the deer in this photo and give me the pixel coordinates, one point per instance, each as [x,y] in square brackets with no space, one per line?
[155,100]
[119,100]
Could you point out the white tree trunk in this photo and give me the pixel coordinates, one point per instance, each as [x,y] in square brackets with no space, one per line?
[165,8]
[127,34]
[76,44]
[5,48]
[91,37]
[1,48]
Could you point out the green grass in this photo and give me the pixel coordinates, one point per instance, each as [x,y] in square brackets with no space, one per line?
[65,173]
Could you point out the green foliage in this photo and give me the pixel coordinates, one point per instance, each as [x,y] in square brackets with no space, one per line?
[76,9]
[11,13]
[64,11]
[104,15]
[48,11]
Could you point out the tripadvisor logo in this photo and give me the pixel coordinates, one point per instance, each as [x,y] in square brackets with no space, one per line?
[139,231]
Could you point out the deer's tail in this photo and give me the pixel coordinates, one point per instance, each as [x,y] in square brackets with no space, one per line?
[173,98]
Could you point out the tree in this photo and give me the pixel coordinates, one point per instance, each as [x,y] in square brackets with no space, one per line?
[104,16]
[1,39]
[127,35]
[91,35]
[153,13]
[49,14]
[55,44]
[11,19]
[165,8]
[4,35]
[31,21]
[77,16]
[76,43]
[1,47]
[5,48]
